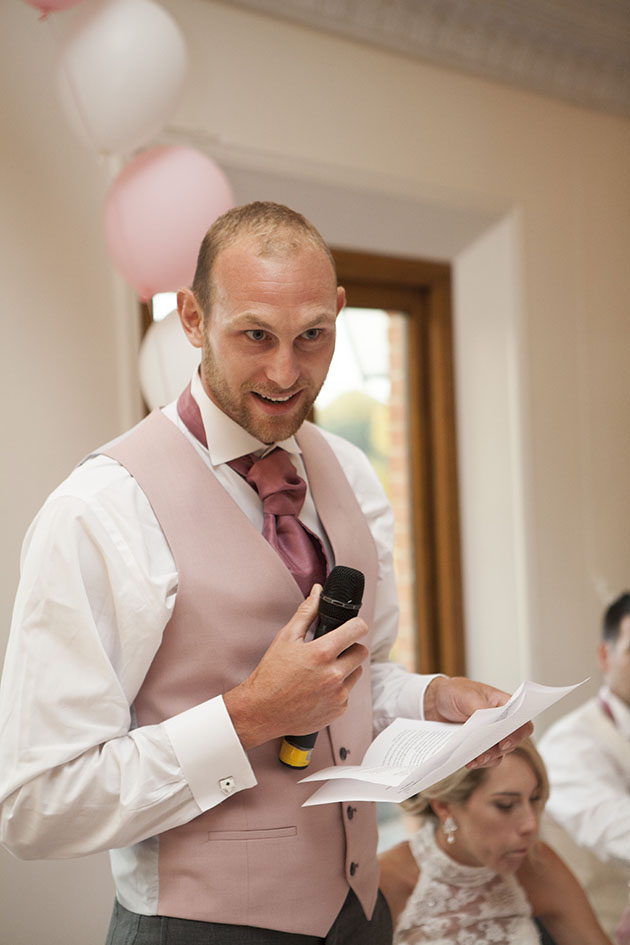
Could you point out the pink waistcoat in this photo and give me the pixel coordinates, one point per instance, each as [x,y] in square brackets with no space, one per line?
[258,858]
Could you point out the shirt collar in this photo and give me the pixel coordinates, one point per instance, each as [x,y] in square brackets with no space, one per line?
[619,709]
[226,439]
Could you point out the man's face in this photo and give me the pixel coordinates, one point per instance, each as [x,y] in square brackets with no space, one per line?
[270,336]
[614,660]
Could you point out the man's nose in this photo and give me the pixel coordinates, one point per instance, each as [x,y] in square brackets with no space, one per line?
[282,368]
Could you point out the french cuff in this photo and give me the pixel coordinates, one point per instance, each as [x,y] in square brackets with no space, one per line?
[411,697]
[209,752]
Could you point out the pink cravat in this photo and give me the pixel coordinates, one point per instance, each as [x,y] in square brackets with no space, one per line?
[282,491]
[606,709]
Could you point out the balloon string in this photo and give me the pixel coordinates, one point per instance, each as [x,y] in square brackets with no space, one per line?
[74,95]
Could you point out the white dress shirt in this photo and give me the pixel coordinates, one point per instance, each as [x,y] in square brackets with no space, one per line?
[588,762]
[98,585]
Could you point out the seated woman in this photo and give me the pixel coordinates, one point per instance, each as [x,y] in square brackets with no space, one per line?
[475,872]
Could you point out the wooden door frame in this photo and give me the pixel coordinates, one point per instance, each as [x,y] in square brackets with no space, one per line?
[422,289]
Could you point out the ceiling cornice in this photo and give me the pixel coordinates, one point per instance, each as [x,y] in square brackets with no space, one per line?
[574,50]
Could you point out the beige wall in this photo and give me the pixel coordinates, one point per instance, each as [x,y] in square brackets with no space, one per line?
[528,197]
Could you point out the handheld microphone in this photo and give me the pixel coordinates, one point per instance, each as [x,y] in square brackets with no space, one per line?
[340,600]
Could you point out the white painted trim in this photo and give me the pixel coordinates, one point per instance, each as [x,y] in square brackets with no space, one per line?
[494,469]
[269,162]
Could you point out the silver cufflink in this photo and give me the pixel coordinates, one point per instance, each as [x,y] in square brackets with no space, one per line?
[227,786]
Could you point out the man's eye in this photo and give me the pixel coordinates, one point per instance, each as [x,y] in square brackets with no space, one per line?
[311,334]
[256,334]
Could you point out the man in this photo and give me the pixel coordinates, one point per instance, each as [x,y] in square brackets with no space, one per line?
[587,754]
[160,645]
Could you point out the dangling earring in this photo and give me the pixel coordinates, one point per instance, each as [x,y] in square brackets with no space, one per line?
[449,827]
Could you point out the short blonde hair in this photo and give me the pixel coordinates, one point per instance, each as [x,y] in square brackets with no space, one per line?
[459,786]
[276,228]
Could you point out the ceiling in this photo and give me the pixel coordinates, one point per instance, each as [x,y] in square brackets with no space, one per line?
[575,50]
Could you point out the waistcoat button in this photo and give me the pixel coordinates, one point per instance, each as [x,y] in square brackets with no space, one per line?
[353,868]
[350,811]
[343,753]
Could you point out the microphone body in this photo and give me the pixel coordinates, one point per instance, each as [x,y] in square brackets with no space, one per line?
[339,601]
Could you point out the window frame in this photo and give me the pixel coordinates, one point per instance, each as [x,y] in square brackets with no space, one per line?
[422,289]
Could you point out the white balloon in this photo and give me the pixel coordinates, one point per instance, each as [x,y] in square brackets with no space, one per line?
[166,361]
[120,74]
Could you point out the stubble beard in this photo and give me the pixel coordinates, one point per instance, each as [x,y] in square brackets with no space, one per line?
[240,408]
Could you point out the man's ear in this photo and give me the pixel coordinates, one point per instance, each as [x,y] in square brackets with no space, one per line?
[603,656]
[341,298]
[190,316]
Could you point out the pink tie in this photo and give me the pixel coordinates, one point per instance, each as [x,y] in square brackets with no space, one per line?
[606,710]
[282,491]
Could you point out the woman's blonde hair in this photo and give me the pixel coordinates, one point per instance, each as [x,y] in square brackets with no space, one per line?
[458,787]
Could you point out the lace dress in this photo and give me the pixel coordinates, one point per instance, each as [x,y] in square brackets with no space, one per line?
[462,905]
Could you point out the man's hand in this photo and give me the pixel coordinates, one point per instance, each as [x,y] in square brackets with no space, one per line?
[455,699]
[298,687]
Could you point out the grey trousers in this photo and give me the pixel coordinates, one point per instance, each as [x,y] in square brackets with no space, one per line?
[350,928]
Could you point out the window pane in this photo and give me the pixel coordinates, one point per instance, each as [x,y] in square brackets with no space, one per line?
[163,304]
[364,399]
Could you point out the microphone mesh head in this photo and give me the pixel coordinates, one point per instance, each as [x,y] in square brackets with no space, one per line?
[345,585]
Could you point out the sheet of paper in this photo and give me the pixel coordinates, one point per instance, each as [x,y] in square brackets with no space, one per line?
[395,753]
[410,755]
[409,743]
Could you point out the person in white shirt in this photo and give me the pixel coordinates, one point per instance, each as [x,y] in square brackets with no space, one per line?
[587,754]
[124,726]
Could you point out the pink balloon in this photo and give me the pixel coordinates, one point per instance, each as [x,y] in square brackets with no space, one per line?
[50,6]
[157,212]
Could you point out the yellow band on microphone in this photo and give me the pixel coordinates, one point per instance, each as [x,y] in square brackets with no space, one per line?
[294,757]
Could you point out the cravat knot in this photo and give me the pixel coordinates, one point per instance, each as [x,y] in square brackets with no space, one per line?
[282,490]
[275,479]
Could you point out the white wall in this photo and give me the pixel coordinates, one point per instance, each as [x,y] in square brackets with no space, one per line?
[529,198]
[492,431]
[58,390]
